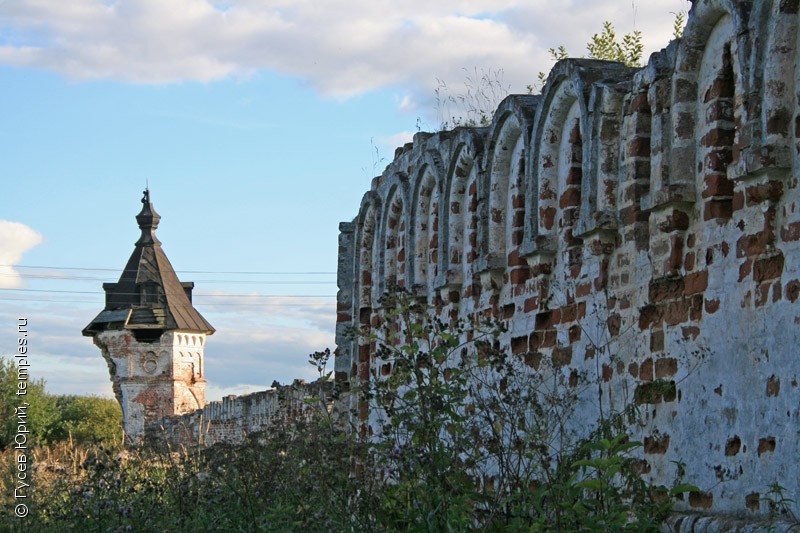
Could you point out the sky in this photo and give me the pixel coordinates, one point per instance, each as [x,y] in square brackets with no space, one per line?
[257,126]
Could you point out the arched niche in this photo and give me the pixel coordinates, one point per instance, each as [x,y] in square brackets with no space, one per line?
[506,160]
[394,240]
[425,219]
[557,155]
[716,28]
[502,188]
[569,175]
[367,276]
[459,245]
[365,260]
[718,110]
[601,142]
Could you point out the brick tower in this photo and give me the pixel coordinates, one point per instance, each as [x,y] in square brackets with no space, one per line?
[151,336]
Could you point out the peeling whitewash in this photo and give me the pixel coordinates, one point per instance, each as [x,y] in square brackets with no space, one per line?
[654,211]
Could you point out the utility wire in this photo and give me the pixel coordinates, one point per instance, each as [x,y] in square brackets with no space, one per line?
[108,280]
[100,302]
[193,294]
[282,298]
[248,273]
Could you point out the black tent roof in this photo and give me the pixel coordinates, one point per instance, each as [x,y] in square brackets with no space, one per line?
[148,295]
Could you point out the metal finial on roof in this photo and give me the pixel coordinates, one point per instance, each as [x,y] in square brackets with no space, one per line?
[148,220]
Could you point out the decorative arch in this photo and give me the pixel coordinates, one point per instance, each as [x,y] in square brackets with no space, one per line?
[366,252]
[394,240]
[505,164]
[574,158]
[713,22]
[718,112]
[557,165]
[425,225]
[459,219]
[504,211]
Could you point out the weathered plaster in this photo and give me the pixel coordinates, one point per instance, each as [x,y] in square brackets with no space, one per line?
[153,380]
[639,227]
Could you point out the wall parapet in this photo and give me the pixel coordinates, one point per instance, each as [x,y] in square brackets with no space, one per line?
[233,418]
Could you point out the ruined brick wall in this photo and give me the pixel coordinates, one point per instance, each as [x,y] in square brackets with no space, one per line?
[653,213]
[235,417]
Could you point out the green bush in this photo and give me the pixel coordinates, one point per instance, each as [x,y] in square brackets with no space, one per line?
[49,418]
[41,412]
[88,420]
[471,437]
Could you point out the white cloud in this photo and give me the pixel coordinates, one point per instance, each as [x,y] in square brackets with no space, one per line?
[15,239]
[342,47]
[406,104]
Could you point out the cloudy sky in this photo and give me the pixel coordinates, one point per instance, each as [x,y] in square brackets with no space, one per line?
[257,125]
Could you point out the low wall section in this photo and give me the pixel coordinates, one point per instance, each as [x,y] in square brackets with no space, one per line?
[235,417]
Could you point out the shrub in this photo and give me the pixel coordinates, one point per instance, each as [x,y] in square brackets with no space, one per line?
[41,413]
[468,436]
[88,420]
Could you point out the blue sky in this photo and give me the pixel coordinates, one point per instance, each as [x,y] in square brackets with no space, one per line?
[258,125]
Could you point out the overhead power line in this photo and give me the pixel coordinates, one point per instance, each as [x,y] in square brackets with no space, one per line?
[243,273]
[235,281]
[204,295]
[277,300]
[100,303]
